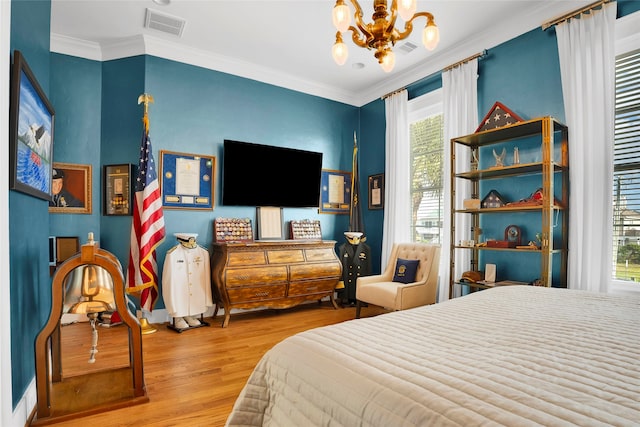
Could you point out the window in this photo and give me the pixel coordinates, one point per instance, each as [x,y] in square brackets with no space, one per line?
[626,166]
[426,132]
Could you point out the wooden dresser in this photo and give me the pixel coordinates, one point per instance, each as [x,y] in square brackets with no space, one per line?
[273,274]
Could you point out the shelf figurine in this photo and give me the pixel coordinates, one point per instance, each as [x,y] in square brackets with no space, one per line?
[499,158]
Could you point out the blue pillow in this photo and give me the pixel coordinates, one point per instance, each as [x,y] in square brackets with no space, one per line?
[406,270]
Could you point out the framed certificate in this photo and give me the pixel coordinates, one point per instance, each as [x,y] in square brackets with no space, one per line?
[376,191]
[117,189]
[335,192]
[270,223]
[187,180]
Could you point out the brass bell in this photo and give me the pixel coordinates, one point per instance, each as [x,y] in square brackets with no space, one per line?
[89,290]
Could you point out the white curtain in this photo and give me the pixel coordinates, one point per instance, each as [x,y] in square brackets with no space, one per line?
[587,68]
[397,206]
[460,104]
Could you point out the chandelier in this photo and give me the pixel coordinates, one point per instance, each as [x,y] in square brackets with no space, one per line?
[380,35]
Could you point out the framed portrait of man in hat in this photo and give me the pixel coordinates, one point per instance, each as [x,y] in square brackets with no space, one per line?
[70,188]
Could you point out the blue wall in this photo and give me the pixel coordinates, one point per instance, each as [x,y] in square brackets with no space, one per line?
[372,162]
[77,134]
[195,109]
[524,75]
[28,216]
[527,82]
[122,83]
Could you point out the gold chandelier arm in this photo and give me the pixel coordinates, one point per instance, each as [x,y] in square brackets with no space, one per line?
[357,37]
[392,21]
[408,26]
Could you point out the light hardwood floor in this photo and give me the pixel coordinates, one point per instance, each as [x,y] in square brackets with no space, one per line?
[192,378]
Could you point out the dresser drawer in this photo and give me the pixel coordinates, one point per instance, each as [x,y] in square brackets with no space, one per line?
[288,256]
[256,293]
[236,277]
[312,287]
[246,258]
[311,271]
[326,254]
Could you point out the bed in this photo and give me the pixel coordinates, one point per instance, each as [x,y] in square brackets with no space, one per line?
[511,356]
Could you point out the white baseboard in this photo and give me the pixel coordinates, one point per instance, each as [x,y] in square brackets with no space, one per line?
[25,406]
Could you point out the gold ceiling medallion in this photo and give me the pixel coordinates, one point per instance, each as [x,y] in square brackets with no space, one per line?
[380,35]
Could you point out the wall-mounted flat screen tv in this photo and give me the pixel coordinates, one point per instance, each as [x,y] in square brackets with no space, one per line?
[265,175]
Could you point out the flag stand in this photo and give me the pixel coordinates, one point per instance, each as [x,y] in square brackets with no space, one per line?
[142,278]
[146,327]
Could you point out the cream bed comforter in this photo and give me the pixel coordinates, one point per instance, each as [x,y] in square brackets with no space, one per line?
[510,356]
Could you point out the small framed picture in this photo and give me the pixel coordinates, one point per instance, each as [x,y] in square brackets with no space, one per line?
[270,223]
[70,189]
[376,191]
[117,189]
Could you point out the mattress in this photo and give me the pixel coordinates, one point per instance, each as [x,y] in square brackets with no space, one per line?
[510,356]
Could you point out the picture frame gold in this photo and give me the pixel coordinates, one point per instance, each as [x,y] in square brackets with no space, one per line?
[117,189]
[335,192]
[187,180]
[77,183]
[376,191]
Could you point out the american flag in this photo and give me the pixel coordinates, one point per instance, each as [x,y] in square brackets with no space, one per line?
[147,229]
[499,116]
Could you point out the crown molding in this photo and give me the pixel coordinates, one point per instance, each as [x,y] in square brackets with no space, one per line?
[75,47]
[493,36]
[149,45]
[528,20]
[176,52]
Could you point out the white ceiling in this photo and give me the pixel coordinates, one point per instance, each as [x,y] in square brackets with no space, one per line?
[288,43]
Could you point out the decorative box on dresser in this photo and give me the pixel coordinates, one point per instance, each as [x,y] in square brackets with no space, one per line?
[273,274]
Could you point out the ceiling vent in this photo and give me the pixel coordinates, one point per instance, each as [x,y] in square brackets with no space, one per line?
[407,47]
[163,22]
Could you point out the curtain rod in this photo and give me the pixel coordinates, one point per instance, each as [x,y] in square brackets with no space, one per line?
[392,93]
[574,14]
[477,55]
[464,61]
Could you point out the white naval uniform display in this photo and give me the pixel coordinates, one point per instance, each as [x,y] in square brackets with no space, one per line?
[186,281]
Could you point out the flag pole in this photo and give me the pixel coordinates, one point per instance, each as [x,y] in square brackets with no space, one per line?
[142,276]
[356,224]
[145,326]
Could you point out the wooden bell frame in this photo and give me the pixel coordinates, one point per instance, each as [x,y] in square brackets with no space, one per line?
[86,392]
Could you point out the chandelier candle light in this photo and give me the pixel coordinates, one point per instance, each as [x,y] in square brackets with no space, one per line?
[380,35]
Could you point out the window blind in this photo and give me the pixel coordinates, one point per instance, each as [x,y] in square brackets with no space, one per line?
[626,179]
[427,150]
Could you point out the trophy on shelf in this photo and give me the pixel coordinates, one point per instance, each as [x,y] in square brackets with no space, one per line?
[474,160]
[499,158]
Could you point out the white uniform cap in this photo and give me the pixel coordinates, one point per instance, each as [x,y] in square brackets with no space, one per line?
[352,234]
[186,236]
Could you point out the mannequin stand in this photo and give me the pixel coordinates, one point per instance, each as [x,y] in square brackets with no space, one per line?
[173,326]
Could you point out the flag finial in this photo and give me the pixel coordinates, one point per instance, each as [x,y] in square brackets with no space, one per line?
[146,99]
